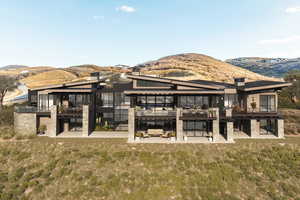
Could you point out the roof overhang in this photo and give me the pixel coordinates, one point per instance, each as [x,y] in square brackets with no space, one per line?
[275,86]
[174,82]
[66,91]
[170,92]
[67,85]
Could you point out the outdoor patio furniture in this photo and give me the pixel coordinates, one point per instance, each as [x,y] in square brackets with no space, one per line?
[145,135]
[155,132]
[165,135]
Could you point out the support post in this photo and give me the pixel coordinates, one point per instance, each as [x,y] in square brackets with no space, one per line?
[229,131]
[131,124]
[53,122]
[254,128]
[86,127]
[179,125]
[216,125]
[280,128]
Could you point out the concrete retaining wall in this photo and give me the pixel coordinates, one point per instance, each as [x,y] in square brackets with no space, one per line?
[25,123]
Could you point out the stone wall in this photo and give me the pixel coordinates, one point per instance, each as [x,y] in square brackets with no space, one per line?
[25,123]
[131,124]
[44,121]
[179,125]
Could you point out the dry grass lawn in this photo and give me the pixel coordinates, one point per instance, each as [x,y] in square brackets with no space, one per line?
[45,168]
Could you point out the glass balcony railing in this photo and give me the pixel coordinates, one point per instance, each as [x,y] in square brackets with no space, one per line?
[144,113]
[199,113]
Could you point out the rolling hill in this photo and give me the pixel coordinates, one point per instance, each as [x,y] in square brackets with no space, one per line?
[69,74]
[182,66]
[275,67]
[197,66]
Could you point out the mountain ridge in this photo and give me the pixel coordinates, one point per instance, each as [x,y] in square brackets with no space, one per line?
[276,67]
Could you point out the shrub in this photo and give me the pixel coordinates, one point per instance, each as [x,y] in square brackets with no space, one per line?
[7,132]
[7,116]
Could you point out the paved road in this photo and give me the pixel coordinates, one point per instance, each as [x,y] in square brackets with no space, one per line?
[17,96]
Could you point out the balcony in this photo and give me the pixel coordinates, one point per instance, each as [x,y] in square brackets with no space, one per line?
[156,114]
[69,112]
[255,115]
[198,114]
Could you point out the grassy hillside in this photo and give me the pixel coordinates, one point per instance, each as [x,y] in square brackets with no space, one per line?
[197,66]
[291,121]
[70,74]
[31,71]
[49,78]
[112,169]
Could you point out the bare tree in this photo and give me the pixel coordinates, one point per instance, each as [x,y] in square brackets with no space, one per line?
[6,84]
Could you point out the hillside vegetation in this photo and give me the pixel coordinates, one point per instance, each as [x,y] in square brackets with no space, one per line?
[197,66]
[49,78]
[276,67]
[112,169]
[70,74]
[183,66]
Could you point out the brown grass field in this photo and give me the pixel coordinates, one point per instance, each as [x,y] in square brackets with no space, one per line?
[44,168]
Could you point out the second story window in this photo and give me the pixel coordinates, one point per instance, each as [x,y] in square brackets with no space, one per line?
[267,103]
[230,100]
[192,101]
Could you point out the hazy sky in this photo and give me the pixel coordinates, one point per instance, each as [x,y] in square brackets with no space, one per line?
[109,32]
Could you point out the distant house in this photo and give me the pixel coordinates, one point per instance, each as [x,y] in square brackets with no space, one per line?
[152,109]
[24,72]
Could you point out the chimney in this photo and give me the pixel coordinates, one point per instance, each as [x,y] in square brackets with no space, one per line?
[239,82]
[94,76]
[136,71]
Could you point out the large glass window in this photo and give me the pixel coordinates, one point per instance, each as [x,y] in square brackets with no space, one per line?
[43,102]
[267,103]
[267,127]
[77,100]
[107,99]
[150,102]
[121,115]
[197,128]
[230,100]
[192,101]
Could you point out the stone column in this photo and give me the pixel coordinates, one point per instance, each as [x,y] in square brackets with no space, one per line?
[53,122]
[229,131]
[179,125]
[280,128]
[66,126]
[216,125]
[131,124]
[86,128]
[254,128]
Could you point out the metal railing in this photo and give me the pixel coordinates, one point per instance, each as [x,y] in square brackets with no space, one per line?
[144,113]
[75,110]
[199,113]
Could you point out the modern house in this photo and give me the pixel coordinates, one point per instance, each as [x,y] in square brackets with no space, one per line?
[154,109]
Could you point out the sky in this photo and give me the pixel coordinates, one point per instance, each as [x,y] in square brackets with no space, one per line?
[64,33]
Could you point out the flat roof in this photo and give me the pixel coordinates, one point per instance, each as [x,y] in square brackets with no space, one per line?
[68,84]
